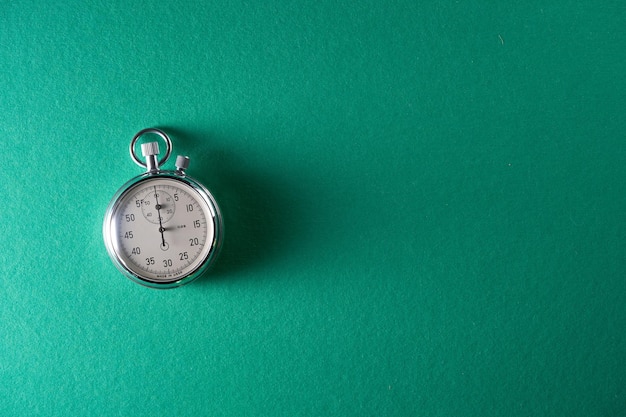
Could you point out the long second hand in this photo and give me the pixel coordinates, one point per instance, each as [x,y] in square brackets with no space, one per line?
[158,207]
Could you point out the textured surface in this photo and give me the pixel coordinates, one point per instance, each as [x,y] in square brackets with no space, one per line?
[425,208]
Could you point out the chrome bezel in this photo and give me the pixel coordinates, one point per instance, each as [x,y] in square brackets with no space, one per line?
[136,276]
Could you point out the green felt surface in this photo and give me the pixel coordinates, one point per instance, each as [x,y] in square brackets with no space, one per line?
[424,202]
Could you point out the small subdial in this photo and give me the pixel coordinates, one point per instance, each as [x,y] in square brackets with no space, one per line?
[158,203]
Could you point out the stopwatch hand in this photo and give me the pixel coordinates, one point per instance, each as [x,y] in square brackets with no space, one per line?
[158,207]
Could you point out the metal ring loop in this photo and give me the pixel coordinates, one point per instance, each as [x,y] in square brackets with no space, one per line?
[162,134]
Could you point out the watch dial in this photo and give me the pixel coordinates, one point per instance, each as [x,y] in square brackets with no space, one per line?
[163,229]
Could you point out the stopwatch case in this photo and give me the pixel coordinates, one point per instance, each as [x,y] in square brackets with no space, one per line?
[207,197]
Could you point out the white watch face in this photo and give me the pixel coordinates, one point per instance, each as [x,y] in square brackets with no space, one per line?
[162,229]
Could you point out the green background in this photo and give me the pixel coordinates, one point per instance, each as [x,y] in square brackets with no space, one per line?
[424,202]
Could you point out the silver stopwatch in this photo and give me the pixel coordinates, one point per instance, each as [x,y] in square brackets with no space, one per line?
[162,228]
